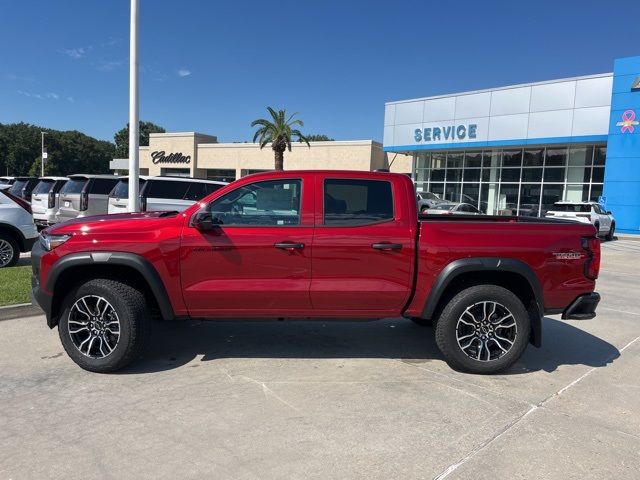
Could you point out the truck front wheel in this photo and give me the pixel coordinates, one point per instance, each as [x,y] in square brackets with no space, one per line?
[483,329]
[102,326]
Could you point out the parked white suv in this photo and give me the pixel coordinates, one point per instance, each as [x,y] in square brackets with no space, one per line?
[162,193]
[45,200]
[17,230]
[586,212]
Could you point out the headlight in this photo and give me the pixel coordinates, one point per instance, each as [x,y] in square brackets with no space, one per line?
[49,242]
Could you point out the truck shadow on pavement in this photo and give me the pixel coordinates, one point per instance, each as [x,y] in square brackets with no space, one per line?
[173,345]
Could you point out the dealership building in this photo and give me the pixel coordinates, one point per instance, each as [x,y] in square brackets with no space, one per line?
[191,154]
[518,149]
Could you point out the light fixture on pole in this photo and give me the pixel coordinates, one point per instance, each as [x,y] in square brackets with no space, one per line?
[43,153]
[133,109]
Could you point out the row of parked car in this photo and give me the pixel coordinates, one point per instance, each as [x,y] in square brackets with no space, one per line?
[28,202]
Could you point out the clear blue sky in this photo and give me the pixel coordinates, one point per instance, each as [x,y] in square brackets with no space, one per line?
[212,66]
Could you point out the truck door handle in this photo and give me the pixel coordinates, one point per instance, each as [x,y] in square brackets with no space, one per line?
[289,246]
[386,246]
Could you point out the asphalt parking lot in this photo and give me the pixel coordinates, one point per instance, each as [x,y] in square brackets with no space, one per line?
[331,400]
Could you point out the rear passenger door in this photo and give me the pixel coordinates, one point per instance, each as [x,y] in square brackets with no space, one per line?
[363,246]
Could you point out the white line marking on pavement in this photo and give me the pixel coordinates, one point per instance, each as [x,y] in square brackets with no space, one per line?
[451,468]
[619,311]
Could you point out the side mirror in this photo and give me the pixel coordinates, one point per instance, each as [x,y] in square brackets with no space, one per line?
[609,212]
[204,221]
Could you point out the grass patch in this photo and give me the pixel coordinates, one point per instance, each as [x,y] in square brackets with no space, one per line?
[15,283]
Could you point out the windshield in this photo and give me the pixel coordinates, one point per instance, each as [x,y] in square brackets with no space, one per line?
[75,185]
[428,196]
[43,187]
[569,207]
[444,206]
[121,189]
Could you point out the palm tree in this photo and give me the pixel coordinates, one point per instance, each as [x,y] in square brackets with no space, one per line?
[279,133]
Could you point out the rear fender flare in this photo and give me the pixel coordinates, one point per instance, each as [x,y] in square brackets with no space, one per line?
[488,264]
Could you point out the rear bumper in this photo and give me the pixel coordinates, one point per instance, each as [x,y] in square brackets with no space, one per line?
[582,308]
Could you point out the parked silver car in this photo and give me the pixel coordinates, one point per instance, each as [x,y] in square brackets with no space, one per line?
[450,208]
[45,200]
[162,193]
[85,195]
[17,230]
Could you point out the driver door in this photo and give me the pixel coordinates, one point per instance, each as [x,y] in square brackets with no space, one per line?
[256,258]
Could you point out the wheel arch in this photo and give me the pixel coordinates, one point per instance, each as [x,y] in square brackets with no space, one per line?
[15,233]
[512,274]
[129,268]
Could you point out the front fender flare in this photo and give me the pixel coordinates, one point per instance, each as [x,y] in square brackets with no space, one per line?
[131,260]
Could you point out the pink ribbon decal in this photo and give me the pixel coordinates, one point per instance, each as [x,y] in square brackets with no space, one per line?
[628,121]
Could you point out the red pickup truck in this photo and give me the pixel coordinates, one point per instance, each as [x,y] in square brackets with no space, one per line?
[319,244]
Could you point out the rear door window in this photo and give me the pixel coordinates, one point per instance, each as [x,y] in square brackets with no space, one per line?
[102,186]
[74,186]
[43,187]
[121,189]
[349,202]
[171,189]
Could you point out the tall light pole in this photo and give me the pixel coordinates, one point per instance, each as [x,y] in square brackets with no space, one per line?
[134,161]
[42,152]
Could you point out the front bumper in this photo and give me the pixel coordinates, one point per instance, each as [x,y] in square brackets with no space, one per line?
[38,296]
[582,308]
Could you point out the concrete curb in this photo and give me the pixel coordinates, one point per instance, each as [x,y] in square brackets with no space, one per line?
[627,236]
[20,310]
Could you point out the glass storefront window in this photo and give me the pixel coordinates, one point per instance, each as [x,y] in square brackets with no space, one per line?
[550,195]
[532,174]
[470,193]
[454,174]
[454,160]
[512,158]
[577,193]
[596,193]
[473,160]
[510,175]
[554,175]
[508,200]
[506,181]
[599,155]
[598,175]
[556,157]
[452,192]
[530,199]
[472,175]
[438,189]
[533,157]
[580,156]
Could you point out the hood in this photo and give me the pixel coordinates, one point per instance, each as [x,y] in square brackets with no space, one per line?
[121,222]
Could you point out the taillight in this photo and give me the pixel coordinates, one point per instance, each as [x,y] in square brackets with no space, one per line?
[84,201]
[143,203]
[19,201]
[592,263]
[52,199]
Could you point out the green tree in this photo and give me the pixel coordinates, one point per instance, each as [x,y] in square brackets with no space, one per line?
[122,137]
[316,137]
[69,151]
[278,132]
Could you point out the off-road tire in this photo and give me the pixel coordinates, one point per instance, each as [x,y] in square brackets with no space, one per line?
[11,242]
[132,311]
[448,321]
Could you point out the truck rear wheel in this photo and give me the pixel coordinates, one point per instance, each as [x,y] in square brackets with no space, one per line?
[483,329]
[103,324]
